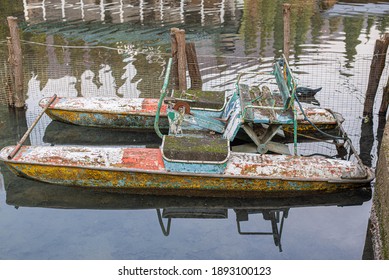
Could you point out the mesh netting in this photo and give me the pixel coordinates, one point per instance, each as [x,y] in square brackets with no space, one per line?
[127,72]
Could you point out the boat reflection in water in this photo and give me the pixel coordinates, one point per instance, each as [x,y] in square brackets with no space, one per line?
[275,216]
[274,211]
[57,133]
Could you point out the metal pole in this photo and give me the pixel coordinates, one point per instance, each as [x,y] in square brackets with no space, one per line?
[162,97]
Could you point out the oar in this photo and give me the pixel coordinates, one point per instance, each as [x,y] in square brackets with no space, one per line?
[20,143]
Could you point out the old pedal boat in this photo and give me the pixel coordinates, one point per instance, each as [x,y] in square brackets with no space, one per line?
[189,164]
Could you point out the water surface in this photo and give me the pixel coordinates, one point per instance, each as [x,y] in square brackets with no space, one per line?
[105,48]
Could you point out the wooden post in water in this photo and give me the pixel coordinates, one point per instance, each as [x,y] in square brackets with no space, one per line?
[376,68]
[174,73]
[15,59]
[179,57]
[193,67]
[286,17]
[385,100]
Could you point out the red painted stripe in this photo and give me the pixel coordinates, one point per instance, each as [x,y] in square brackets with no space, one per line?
[143,158]
[150,105]
[20,153]
[52,105]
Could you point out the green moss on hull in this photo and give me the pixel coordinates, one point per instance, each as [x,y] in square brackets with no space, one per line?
[214,149]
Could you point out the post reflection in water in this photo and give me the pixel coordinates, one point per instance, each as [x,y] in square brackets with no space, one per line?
[366,143]
[370,133]
[2,188]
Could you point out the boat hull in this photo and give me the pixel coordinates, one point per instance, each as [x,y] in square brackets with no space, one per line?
[166,184]
[139,113]
[107,120]
[94,169]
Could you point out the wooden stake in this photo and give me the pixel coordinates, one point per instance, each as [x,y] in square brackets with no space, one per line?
[174,74]
[15,60]
[286,16]
[10,84]
[193,66]
[385,94]
[385,100]
[179,57]
[376,68]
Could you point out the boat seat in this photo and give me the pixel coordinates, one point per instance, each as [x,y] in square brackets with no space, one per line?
[227,124]
[190,148]
[263,105]
[214,100]
[260,108]
[269,109]
[234,119]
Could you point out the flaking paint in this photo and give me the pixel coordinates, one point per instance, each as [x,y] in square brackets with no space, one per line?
[112,168]
[140,113]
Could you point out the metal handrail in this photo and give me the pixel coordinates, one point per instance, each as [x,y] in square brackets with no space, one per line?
[162,97]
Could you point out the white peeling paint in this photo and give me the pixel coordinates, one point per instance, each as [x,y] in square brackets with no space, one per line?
[98,104]
[288,166]
[239,164]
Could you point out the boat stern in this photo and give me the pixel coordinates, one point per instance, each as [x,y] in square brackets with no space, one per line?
[5,152]
[46,100]
[7,160]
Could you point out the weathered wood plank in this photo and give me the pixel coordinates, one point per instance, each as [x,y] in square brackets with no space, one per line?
[16,62]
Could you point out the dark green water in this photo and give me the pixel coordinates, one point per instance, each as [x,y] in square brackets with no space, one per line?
[125,45]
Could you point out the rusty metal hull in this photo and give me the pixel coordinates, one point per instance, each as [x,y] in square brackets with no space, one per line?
[139,113]
[96,119]
[141,170]
[107,112]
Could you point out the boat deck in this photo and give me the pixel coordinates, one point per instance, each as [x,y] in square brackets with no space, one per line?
[150,160]
[111,105]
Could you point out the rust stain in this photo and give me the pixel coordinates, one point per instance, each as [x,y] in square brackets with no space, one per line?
[143,169]
[148,182]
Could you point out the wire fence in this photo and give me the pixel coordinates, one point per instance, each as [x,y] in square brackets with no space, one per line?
[128,72]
